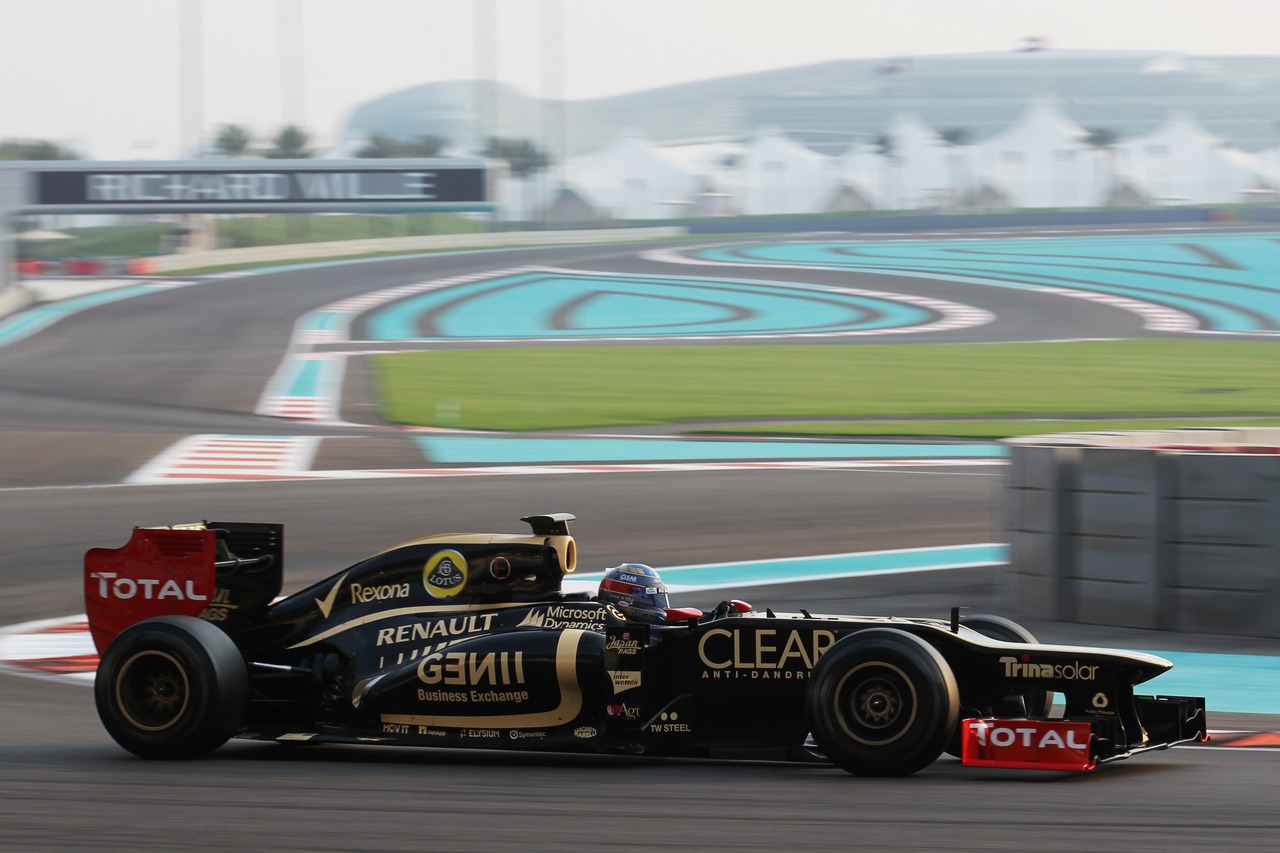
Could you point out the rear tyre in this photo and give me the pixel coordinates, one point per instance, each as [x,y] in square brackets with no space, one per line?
[882,702]
[172,687]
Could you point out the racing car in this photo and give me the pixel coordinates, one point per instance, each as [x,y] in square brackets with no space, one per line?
[470,641]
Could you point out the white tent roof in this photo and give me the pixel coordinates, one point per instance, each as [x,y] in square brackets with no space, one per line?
[632,179]
[705,156]
[1041,160]
[781,176]
[924,169]
[1042,122]
[865,171]
[520,198]
[1181,162]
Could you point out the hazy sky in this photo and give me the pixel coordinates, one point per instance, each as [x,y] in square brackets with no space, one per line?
[104,75]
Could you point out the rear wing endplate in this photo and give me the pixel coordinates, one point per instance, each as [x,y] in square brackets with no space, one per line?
[159,572]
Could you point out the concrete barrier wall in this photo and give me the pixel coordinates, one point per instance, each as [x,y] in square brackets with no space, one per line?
[422,243]
[1174,530]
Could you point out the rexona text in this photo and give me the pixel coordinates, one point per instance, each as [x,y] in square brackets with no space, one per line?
[361,594]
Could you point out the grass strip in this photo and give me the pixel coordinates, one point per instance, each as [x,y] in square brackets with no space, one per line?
[976,429]
[569,387]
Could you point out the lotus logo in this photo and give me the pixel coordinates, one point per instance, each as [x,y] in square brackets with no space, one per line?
[445,574]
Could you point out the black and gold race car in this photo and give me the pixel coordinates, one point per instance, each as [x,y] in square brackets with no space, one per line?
[467,640]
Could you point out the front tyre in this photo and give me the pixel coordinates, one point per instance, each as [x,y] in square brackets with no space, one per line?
[882,702]
[1038,703]
[172,687]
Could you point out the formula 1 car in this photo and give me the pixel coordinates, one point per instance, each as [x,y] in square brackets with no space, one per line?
[467,640]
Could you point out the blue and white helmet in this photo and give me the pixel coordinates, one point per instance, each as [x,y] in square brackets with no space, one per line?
[637,591]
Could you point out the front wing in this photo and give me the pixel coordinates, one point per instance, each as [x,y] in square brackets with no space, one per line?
[1080,744]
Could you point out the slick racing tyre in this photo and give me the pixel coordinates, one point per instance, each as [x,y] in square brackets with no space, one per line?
[1038,702]
[882,702]
[172,687]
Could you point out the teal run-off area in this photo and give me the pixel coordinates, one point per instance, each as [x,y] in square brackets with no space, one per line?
[502,450]
[1230,281]
[566,304]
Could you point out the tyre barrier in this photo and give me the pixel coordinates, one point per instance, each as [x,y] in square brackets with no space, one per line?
[1173,530]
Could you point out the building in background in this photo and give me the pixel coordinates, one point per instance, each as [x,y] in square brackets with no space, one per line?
[1033,128]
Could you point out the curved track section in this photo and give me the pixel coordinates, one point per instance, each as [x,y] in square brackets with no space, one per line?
[101,393]
[1218,282]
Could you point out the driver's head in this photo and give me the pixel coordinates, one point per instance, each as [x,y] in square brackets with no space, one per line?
[637,591]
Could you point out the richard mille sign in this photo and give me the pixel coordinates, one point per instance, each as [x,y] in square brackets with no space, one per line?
[241,186]
[236,187]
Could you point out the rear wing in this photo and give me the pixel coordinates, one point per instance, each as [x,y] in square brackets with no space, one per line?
[159,572]
[226,572]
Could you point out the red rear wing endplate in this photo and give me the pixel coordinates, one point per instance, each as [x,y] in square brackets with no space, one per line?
[160,572]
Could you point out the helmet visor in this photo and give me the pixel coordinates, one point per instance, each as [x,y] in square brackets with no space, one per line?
[652,597]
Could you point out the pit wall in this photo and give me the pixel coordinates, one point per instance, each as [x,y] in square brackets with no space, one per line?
[1174,530]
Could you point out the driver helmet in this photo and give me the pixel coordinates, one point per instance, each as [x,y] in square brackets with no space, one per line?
[637,591]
